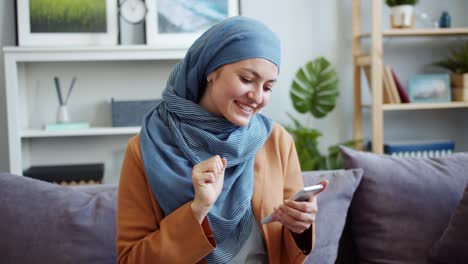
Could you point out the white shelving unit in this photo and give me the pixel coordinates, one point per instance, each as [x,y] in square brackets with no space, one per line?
[27,140]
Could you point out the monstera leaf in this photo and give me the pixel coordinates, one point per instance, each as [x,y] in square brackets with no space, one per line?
[315,88]
[314,91]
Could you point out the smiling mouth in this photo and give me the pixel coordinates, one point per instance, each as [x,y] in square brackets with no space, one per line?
[246,108]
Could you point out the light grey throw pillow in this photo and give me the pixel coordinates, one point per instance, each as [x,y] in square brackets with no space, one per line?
[43,222]
[403,205]
[333,206]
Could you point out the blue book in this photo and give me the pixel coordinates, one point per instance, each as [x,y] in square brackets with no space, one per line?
[66,126]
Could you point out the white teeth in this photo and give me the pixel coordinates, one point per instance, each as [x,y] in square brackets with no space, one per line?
[245,107]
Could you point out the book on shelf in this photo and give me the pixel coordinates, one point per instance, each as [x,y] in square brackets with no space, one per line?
[68,173]
[392,89]
[387,88]
[385,92]
[401,90]
[391,86]
[66,126]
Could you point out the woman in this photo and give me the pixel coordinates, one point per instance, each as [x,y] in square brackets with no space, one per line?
[207,167]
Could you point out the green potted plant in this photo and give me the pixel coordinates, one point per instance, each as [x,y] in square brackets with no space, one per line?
[402,13]
[314,91]
[457,63]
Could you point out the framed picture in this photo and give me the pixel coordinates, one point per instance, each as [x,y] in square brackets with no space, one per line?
[67,22]
[177,24]
[428,88]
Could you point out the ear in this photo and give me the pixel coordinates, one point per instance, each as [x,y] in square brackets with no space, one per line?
[213,75]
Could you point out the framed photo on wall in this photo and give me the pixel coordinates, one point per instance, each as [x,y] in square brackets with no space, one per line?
[67,22]
[176,24]
[429,88]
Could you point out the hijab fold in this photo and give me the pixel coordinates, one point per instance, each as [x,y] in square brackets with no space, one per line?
[178,133]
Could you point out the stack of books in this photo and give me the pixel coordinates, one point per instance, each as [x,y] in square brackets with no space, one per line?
[393,90]
[70,174]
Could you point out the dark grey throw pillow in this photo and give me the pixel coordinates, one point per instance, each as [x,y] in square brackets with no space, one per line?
[403,205]
[452,247]
[333,206]
[48,223]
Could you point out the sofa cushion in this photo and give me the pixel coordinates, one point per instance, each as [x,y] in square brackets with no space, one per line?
[48,223]
[333,206]
[403,205]
[452,247]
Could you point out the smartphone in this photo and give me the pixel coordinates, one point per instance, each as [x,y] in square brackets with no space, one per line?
[302,195]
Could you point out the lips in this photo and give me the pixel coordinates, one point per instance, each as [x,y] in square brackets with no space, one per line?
[245,107]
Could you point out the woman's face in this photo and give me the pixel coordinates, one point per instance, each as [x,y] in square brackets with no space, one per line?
[239,90]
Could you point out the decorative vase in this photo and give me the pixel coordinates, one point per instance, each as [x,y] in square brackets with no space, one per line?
[62,114]
[402,16]
[445,20]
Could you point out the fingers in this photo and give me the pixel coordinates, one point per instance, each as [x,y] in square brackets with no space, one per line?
[290,222]
[299,211]
[215,164]
[303,211]
[296,216]
[206,178]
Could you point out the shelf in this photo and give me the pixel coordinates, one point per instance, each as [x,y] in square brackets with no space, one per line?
[94,131]
[421,32]
[421,106]
[94,53]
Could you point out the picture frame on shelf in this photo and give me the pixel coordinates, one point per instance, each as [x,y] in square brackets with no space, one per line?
[429,88]
[86,23]
[177,24]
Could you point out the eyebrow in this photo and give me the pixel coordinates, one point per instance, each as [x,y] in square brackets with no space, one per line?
[257,74]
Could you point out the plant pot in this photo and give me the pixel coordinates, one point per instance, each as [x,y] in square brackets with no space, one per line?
[459,84]
[402,16]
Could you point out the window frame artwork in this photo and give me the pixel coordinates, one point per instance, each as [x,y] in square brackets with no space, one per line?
[48,39]
[177,40]
[429,88]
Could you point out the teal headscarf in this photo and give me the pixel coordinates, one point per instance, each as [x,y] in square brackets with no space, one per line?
[179,133]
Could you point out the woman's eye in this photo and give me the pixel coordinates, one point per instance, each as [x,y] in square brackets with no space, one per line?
[245,80]
[267,89]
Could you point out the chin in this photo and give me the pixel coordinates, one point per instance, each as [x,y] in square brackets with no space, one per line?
[239,121]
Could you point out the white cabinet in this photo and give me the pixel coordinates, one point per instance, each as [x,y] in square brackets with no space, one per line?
[123,73]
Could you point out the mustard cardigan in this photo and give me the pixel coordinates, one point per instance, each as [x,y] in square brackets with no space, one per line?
[146,235]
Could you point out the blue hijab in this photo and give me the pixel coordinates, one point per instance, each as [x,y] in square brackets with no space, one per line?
[179,133]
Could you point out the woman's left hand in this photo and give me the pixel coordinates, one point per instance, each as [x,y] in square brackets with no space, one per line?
[298,216]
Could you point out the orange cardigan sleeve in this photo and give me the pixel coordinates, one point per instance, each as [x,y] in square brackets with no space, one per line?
[297,249]
[144,234]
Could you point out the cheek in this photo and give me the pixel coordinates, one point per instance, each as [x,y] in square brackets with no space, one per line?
[266,98]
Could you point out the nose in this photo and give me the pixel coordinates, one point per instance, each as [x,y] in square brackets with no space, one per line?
[256,95]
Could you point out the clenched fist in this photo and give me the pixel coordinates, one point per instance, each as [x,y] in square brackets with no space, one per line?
[207,179]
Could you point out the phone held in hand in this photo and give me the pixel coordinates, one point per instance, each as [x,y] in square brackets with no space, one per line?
[302,195]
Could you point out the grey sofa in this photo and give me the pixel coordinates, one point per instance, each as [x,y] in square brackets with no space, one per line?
[363,216]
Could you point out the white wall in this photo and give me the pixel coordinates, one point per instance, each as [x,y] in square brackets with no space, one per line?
[308,29]
[7,37]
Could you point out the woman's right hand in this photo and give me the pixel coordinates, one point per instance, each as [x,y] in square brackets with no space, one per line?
[207,179]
